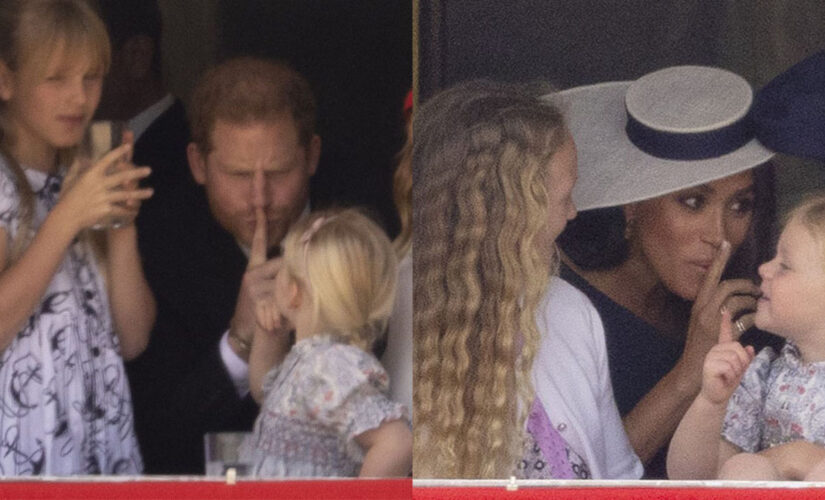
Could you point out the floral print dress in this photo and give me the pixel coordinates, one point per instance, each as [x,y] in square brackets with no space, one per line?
[780,399]
[323,395]
[65,405]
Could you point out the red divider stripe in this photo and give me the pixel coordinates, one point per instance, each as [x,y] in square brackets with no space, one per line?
[607,493]
[197,490]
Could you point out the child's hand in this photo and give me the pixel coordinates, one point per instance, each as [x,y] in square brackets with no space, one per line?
[92,196]
[725,364]
[128,137]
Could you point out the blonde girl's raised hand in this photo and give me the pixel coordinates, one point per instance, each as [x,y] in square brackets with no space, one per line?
[724,365]
[133,306]
[696,450]
[83,203]
[93,195]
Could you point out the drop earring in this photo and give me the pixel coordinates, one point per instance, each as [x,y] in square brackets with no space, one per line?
[629,228]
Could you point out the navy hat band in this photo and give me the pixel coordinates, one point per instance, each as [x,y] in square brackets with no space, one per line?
[690,146]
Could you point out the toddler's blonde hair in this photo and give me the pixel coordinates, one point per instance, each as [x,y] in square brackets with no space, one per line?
[347,267]
[810,212]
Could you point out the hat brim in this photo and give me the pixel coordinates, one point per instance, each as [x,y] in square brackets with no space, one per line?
[612,171]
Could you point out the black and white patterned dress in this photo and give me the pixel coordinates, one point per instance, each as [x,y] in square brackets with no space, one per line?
[65,406]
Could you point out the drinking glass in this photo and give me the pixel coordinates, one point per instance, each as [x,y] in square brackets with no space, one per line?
[228,450]
[101,137]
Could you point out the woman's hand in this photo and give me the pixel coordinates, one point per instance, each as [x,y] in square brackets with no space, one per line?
[93,196]
[724,365]
[650,424]
[736,296]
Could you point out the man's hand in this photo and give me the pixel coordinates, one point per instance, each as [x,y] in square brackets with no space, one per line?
[256,300]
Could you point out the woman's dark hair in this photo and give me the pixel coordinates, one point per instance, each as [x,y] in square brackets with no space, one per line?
[595,239]
[760,241]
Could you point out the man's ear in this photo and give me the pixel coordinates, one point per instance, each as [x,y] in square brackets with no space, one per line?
[313,153]
[6,82]
[137,55]
[197,162]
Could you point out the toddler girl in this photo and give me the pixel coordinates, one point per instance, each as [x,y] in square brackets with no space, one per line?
[65,406]
[772,423]
[325,409]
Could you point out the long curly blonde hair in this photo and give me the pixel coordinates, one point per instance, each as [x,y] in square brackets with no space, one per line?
[480,208]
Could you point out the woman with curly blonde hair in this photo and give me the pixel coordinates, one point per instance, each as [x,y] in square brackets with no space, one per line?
[493,170]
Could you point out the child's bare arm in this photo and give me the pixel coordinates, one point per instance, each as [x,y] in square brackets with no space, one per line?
[268,350]
[132,303]
[388,450]
[133,306]
[696,450]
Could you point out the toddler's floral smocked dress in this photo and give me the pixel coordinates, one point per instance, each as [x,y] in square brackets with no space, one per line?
[323,395]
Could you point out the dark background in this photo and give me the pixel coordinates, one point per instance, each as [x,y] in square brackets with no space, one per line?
[358,57]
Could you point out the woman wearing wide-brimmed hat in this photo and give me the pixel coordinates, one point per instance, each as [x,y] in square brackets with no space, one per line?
[685,214]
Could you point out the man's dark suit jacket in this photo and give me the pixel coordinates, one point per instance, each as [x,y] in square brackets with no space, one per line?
[180,387]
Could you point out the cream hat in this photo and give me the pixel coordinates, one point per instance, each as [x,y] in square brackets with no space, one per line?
[674,128]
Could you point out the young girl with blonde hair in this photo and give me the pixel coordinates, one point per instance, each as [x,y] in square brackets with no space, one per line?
[760,417]
[66,407]
[493,169]
[325,409]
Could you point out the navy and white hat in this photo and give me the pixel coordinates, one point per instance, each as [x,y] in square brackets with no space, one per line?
[672,129]
[789,112]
